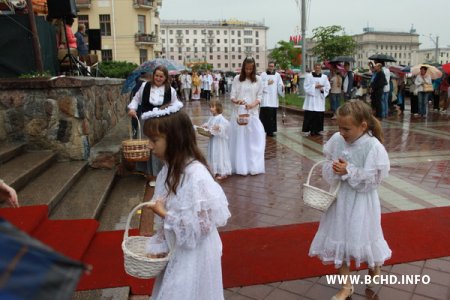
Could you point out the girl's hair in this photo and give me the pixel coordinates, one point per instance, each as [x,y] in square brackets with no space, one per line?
[362,112]
[181,144]
[166,74]
[243,76]
[218,105]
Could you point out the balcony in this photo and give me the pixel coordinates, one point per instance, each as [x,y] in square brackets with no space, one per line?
[147,4]
[83,3]
[145,39]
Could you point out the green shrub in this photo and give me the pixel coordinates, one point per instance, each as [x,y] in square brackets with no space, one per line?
[117,69]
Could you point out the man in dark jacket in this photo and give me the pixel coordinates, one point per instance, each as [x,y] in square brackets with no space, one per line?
[376,88]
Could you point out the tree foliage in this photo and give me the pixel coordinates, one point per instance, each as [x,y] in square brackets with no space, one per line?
[329,43]
[285,55]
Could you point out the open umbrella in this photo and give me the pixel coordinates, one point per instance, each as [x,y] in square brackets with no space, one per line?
[434,72]
[446,68]
[31,270]
[338,59]
[382,57]
[148,67]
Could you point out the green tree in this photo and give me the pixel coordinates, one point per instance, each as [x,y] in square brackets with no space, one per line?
[117,69]
[332,41]
[285,55]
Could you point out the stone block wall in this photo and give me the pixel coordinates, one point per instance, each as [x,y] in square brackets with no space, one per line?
[66,114]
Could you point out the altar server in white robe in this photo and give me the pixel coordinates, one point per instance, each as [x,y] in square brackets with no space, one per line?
[273,87]
[316,88]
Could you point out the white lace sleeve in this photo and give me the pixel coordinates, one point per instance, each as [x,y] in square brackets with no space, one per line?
[200,205]
[329,148]
[370,176]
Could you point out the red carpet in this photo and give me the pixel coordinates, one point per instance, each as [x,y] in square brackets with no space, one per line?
[262,255]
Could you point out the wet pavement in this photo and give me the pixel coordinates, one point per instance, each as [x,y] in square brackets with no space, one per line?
[419,150]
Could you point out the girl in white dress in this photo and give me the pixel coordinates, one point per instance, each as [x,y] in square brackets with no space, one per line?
[218,147]
[189,206]
[351,227]
[247,142]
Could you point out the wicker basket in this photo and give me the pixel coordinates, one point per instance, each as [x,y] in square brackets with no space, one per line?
[136,150]
[204,131]
[315,197]
[243,119]
[137,264]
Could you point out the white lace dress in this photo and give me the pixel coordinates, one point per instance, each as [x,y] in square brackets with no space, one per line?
[218,147]
[351,227]
[194,270]
[247,142]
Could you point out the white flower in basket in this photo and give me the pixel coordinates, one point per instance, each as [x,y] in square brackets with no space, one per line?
[136,262]
[203,131]
[315,197]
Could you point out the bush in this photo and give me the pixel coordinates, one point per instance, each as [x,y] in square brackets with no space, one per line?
[117,69]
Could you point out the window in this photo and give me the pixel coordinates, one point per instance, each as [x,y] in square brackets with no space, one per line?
[187,41]
[170,31]
[226,49]
[257,49]
[163,41]
[171,41]
[172,57]
[233,56]
[203,49]
[248,49]
[211,49]
[195,49]
[239,56]
[217,32]
[232,49]
[188,49]
[234,65]
[186,31]
[179,32]
[105,25]
[141,24]
[171,49]
[143,55]
[180,57]
[239,50]
[218,66]
[218,41]
[107,55]
[239,33]
[163,50]
[180,50]
[218,56]
[84,19]
[257,42]
[218,49]
[226,65]
[195,31]
[257,33]
[163,31]
[249,41]
[257,56]
[232,32]
[211,57]
[225,41]
[179,41]
[247,32]
[195,41]
[232,41]
[226,56]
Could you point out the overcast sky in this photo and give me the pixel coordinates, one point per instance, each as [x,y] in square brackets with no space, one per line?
[283,16]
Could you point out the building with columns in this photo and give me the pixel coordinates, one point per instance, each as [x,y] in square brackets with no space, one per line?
[129,29]
[224,44]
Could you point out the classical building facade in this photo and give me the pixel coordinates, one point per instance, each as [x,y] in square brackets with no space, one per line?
[224,44]
[429,55]
[129,29]
[403,46]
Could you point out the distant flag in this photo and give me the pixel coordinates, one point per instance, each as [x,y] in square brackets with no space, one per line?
[295,39]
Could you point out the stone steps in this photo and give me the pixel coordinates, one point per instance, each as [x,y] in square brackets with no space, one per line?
[50,187]
[9,151]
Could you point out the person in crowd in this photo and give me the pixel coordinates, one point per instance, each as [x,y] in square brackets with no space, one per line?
[207,81]
[377,90]
[8,194]
[186,85]
[435,95]
[351,227]
[71,39]
[401,95]
[196,86]
[316,88]
[386,90]
[229,83]
[151,95]
[189,206]
[272,88]
[82,46]
[335,91]
[222,84]
[247,138]
[218,146]
[422,79]
[347,83]
[414,95]
[216,81]
[444,92]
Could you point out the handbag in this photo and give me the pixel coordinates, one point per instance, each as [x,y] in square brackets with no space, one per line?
[315,197]
[428,87]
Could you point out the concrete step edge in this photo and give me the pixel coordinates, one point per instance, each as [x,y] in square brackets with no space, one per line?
[9,151]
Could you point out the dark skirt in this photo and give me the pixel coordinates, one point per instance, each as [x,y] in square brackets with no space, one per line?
[313,122]
[268,117]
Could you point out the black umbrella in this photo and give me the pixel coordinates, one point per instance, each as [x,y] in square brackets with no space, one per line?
[337,59]
[382,57]
[31,270]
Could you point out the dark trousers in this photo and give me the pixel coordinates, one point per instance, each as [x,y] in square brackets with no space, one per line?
[376,104]
[268,117]
[313,121]
[414,104]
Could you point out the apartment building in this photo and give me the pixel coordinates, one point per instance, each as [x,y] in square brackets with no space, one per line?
[224,44]
[429,55]
[129,29]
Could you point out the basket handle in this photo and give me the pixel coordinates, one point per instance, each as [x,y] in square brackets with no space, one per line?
[127,225]
[139,129]
[310,173]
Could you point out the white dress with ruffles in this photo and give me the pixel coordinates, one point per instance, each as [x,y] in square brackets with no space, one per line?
[218,147]
[247,142]
[351,228]
[194,271]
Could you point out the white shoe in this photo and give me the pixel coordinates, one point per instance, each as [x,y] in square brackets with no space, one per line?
[152,183]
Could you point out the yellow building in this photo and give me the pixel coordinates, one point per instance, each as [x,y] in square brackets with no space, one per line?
[129,28]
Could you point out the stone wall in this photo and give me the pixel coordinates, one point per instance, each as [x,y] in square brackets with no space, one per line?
[66,114]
